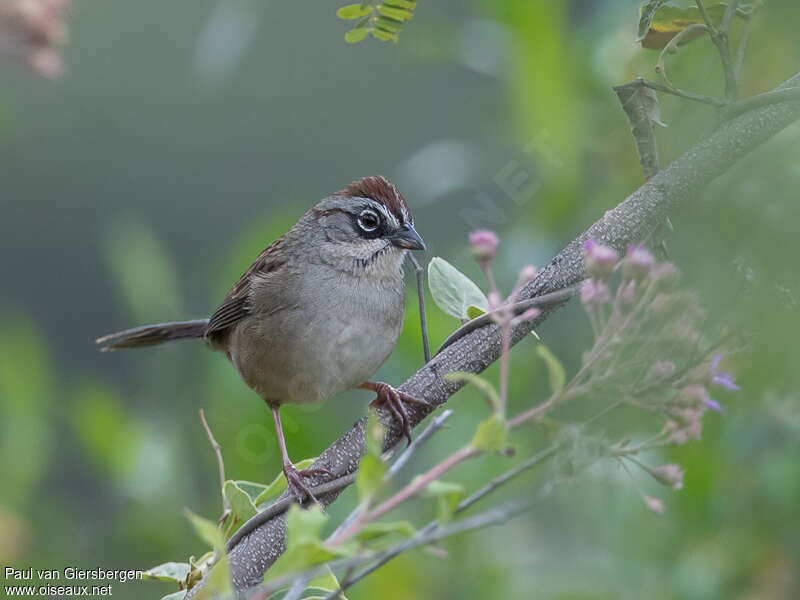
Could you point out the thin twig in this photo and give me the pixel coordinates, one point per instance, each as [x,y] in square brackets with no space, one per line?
[658,87]
[495,483]
[517,308]
[420,440]
[720,38]
[226,509]
[430,534]
[398,464]
[281,506]
[671,47]
[423,322]
[409,491]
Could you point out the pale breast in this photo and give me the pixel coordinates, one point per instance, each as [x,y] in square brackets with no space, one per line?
[334,336]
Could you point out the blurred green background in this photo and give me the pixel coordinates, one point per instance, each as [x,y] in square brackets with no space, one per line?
[185,137]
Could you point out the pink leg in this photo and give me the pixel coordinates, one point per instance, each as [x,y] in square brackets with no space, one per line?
[294,478]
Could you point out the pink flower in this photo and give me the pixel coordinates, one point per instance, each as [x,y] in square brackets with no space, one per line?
[638,261]
[594,291]
[654,504]
[484,244]
[670,475]
[528,273]
[600,259]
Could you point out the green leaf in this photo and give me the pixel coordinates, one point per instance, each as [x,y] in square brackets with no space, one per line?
[208,531]
[554,368]
[398,14]
[240,502]
[325,583]
[387,24]
[448,495]
[278,485]
[660,22]
[486,388]
[304,525]
[374,531]
[648,11]
[353,11]
[304,546]
[453,291]
[218,582]
[384,36]
[473,312]
[490,436]
[369,479]
[169,571]
[374,434]
[356,35]
[407,4]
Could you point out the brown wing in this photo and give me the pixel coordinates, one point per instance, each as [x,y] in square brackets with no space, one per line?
[236,305]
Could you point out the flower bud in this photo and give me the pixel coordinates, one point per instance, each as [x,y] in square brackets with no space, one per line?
[660,370]
[670,475]
[654,504]
[594,291]
[484,244]
[528,273]
[638,261]
[600,260]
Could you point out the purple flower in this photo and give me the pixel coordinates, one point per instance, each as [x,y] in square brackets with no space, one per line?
[484,244]
[711,404]
[600,259]
[725,380]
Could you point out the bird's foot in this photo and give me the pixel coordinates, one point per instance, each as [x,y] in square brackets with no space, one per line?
[393,400]
[296,483]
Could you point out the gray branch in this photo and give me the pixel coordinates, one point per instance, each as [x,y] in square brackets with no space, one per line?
[630,222]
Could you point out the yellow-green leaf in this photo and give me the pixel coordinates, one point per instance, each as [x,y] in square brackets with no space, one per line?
[369,479]
[486,388]
[208,531]
[398,14]
[447,495]
[356,35]
[407,4]
[490,435]
[554,368]
[353,11]
[169,571]
[240,502]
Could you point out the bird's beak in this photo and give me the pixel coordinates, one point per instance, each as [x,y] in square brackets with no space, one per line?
[407,237]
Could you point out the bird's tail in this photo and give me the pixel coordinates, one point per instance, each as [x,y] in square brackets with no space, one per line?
[152,335]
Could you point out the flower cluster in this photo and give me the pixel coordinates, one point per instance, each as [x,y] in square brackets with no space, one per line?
[31,31]
[649,352]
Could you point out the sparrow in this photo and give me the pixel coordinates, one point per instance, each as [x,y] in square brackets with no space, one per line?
[317,313]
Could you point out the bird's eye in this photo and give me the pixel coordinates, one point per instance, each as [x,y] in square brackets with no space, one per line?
[368,220]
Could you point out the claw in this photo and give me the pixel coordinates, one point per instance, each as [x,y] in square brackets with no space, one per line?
[393,400]
[294,479]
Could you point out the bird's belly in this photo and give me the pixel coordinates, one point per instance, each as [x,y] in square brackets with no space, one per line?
[299,358]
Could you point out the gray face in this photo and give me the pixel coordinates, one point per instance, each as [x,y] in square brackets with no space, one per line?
[362,232]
